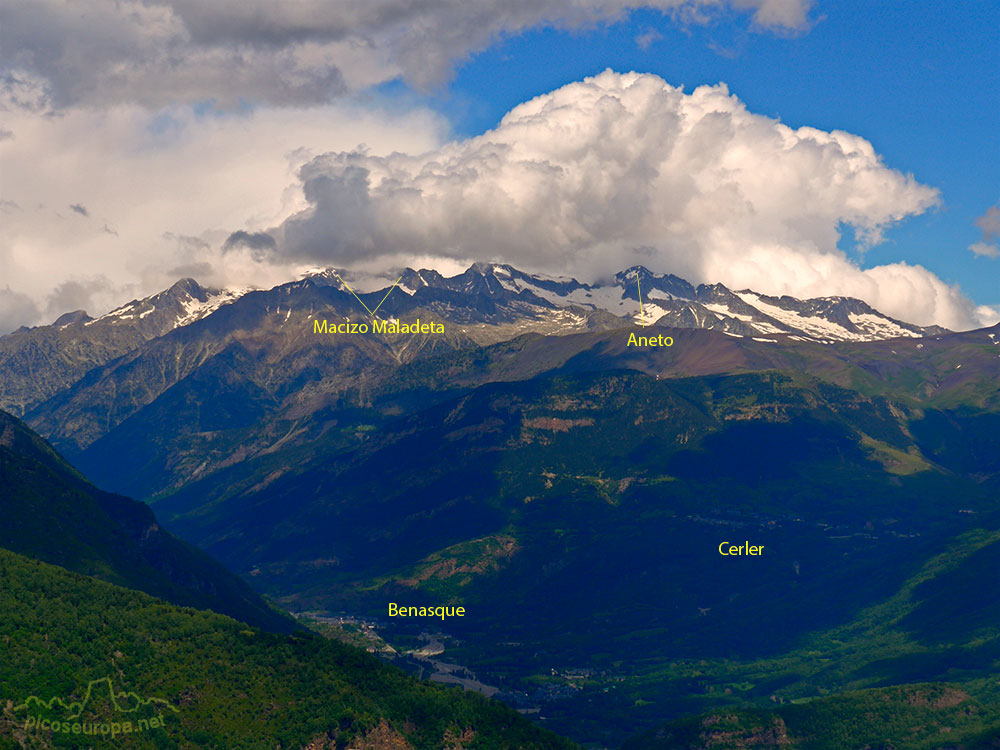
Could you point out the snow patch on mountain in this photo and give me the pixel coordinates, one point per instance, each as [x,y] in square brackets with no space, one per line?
[196,309]
[880,327]
[180,305]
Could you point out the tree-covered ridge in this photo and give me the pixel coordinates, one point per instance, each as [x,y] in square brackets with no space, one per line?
[50,512]
[233,687]
[905,717]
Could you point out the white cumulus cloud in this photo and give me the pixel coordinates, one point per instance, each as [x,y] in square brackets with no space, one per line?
[624,168]
[159,193]
[989,224]
[16,310]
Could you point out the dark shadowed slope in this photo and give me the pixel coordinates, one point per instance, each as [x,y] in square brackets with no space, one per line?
[48,511]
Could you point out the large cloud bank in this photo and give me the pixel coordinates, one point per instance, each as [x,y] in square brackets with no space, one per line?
[619,169]
[136,134]
[157,52]
[100,207]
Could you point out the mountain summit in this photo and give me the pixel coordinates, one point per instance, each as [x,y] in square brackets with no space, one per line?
[39,362]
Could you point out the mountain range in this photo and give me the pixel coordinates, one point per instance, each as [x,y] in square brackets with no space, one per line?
[186,344]
[486,297]
[569,489]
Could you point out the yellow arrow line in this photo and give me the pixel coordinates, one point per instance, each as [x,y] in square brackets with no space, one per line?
[386,295]
[356,296]
[642,315]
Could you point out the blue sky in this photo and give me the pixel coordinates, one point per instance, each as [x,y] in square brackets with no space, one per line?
[918,80]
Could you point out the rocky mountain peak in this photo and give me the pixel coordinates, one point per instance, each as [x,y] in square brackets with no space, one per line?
[70,318]
[187,287]
[641,278]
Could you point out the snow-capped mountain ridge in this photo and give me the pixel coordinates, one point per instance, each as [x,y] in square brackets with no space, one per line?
[669,300]
[39,362]
[183,303]
[494,293]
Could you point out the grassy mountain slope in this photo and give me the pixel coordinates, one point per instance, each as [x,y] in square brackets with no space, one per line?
[222,686]
[594,443]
